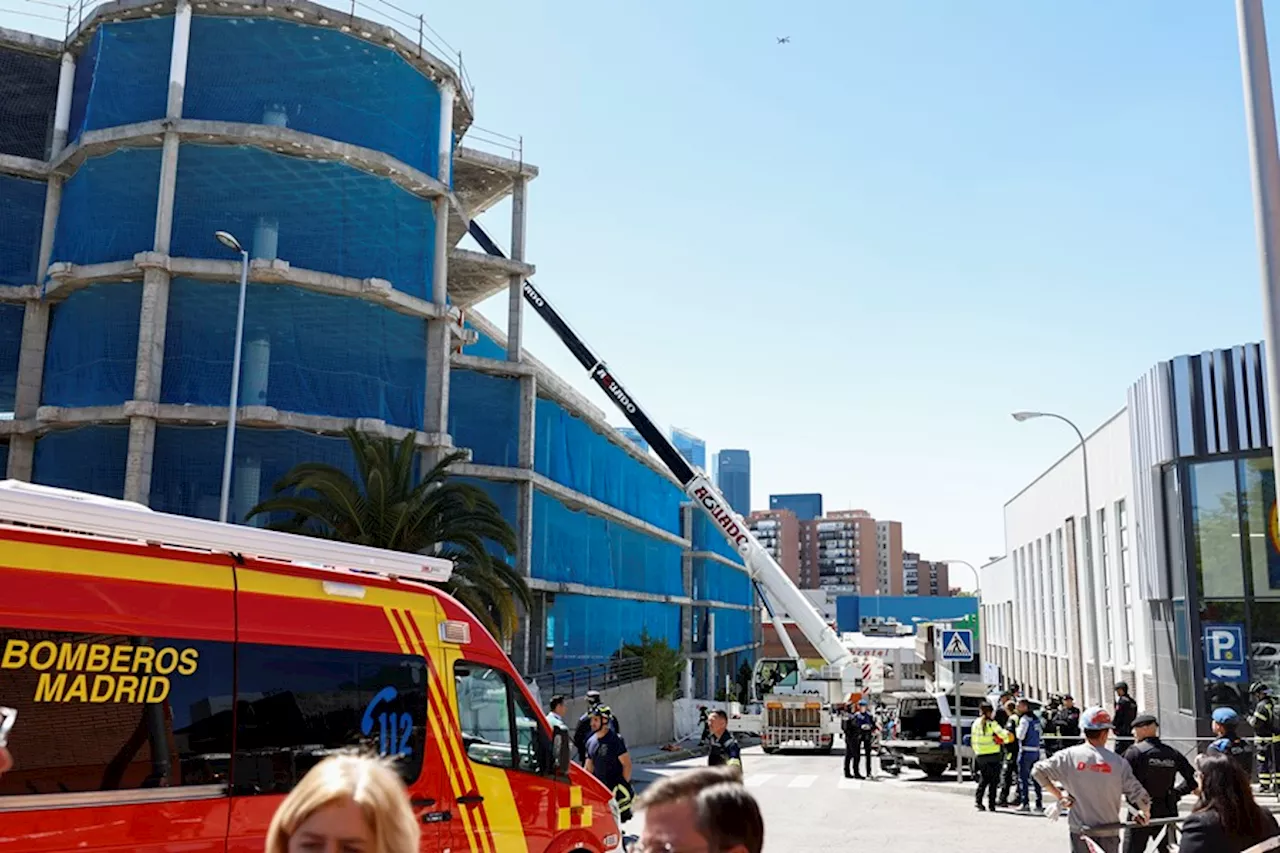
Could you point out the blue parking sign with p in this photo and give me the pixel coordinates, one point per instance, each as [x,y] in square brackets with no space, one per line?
[1224,652]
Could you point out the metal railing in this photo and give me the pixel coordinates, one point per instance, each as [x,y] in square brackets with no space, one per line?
[578,680]
[410,25]
[483,138]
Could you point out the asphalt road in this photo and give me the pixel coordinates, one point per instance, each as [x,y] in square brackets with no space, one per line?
[809,806]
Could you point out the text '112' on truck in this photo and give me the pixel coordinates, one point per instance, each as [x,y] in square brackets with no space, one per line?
[174,678]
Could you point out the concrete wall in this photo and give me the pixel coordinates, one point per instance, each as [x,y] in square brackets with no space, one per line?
[645,719]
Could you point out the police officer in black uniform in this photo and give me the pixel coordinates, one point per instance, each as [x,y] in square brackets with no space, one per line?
[724,746]
[1122,719]
[1157,766]
[1266,729]
[1229,742]
[1066,723]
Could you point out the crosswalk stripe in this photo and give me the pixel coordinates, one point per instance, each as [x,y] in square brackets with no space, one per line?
[850,784]
[757,779]
[802,781]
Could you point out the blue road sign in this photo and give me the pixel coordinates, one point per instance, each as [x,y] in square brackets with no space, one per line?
[1224,652]
[957,645]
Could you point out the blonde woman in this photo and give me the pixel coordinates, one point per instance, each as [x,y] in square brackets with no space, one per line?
[346,804]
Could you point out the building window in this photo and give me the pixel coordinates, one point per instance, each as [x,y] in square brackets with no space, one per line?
[1061,610]
[1038,587]
[1104,561]
[1127,598]
[1051,600]
[1215,530]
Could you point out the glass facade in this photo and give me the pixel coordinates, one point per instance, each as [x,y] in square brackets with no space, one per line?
[806,507]
[692,448]
[733,478]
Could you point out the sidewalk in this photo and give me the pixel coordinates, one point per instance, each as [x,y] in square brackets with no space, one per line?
[688,749]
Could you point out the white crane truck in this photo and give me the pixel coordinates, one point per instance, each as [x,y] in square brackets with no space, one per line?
[798,701]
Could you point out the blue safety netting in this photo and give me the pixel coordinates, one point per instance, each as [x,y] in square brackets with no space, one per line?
[577,547]
[733,628]
[303,351]
[325,216]
[186,474]
[312,79]
[26,108]
[21,220]
[88,459]
[485,346]
[484,416]
[92,352]
[11,314]
[707,537]
[570,451]
[714,581]
[108,208]
[502,492]
[122,76]
[584,629]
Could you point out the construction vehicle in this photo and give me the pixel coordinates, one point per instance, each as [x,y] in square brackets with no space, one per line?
[799,702]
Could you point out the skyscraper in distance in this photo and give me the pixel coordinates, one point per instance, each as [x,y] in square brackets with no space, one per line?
[733,478]
[634,436]
[692,448]
[806,506]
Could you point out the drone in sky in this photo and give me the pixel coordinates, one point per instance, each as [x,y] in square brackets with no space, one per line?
[784,40]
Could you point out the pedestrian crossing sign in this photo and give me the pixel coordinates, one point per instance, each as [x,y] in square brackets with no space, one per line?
[957,646]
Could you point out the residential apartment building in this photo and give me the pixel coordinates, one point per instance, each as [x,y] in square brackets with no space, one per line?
[910,573]
[778,532]
[839,551]
[733,479]
[889,567]
[935,578]
[806,506]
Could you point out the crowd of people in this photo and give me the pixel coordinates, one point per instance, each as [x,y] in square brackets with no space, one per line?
[1064,752]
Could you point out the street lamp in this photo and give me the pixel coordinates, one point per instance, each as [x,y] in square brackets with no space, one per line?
[1088,561]
[224,499]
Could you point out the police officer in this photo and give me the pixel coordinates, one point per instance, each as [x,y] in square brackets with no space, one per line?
[1029,737]
[1157,766]
[724,746]
[1126,710]
[1008,754]
[1066,723]
[1267,732]
[860,730]
[1229,742]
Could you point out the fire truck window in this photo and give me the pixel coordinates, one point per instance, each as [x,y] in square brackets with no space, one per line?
[532,742]
[296,705]
[484,713]
[98,712]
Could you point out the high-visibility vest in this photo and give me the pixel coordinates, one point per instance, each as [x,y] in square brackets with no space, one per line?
[985,735]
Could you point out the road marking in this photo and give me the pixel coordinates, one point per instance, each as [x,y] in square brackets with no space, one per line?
[850,784]
[757,779]
[802,781]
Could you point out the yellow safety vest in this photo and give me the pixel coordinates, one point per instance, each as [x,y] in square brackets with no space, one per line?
[985,735]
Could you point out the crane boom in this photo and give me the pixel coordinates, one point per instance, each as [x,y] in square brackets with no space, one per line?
[759,564]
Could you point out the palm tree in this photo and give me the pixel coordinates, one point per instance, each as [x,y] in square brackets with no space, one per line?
[386,509]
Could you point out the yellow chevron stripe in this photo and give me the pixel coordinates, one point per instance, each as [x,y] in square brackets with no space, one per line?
[395,629]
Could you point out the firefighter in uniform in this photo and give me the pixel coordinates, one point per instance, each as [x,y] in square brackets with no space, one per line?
[1157,766]
[1229,742]
[724,746]
[1266,732]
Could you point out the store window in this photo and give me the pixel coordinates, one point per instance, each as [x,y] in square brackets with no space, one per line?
[1257,489]
[1215,530]
[1182,657]
[498,726]
[295,705]
[113,713]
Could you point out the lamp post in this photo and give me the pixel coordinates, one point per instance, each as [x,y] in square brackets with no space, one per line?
[1090,590]
[224,499]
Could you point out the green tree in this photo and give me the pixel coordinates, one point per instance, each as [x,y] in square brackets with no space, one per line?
[384,508]
[659,662]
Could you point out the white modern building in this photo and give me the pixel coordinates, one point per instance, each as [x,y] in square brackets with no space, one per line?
[1037,606]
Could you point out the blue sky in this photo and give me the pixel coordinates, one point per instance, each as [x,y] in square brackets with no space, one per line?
[855,254]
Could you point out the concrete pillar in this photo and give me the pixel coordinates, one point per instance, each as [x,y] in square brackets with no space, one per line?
[444,161]
[530,630]
[62,107]
[246,486]
[439,335]
[255,371]
[154,316]
[515,298]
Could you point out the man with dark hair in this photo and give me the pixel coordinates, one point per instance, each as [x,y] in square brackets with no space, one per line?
[1122,719]
[704,809]
[724,746]
[555,713]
